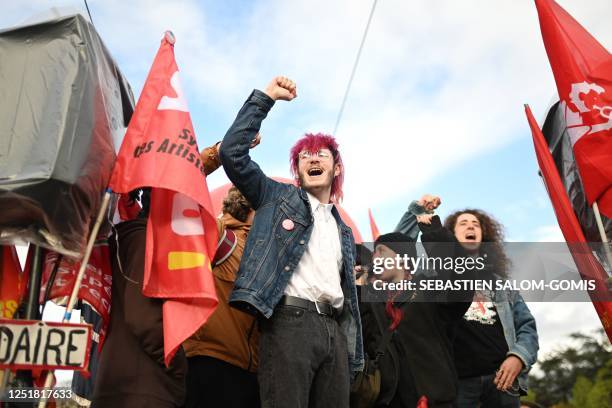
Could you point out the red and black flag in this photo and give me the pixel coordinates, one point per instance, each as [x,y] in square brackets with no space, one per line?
[588,266]
[582,68]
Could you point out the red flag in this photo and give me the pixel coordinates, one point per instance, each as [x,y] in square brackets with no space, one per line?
[422,402]
[586,263]
[95,288]
[373,227]
[12,284]
[160,151]
[583,72]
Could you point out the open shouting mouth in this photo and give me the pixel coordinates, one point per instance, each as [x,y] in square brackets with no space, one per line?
[470,236]
[315,171]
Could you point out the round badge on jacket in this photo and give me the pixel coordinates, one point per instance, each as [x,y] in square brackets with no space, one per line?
[288,224]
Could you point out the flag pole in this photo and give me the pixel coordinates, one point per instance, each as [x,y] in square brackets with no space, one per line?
[602,232]
[85,260]
[77,284]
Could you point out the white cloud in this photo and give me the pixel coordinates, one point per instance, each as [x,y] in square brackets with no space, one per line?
[555,321]
[548,233]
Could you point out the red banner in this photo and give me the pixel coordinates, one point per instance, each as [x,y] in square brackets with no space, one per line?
[373,226]
[583,72]
[96,285]
[160,151]
[12,283]
[586,263]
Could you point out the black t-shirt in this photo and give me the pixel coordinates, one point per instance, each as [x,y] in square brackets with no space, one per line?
[480,346]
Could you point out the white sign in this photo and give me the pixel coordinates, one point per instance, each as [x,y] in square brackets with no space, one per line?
[27,344]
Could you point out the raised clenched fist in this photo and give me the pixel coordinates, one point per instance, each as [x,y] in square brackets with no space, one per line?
[424,218]
[429,202]
[281,88]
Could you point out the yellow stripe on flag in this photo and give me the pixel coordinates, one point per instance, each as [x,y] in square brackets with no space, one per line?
[185,260]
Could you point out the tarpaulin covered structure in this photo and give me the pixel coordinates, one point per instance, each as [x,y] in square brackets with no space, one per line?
[64,107]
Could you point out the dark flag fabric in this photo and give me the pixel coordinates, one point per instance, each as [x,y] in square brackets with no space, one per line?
[588,266]
[560,146]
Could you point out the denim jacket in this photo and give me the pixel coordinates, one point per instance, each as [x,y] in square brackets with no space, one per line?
[519,330]
[272,252]
[408,224]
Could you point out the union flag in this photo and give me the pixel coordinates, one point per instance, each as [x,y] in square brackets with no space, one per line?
[160,151]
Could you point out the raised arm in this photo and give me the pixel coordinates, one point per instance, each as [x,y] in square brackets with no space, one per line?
[413,215]
[407,225]
[243,172]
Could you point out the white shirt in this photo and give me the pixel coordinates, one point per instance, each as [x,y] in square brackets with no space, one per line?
[317,275]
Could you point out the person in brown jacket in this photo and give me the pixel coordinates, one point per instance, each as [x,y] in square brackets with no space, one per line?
[222,355]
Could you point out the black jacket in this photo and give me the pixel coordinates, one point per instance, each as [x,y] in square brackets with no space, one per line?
[420,360]
[132,371]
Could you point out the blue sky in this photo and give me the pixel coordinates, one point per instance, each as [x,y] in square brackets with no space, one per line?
[436,105]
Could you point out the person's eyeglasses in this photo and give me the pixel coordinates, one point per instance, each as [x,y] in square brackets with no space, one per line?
[321,154]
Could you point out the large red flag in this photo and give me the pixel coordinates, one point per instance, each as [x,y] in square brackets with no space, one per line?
[586,263]
[583,72]
[160,151]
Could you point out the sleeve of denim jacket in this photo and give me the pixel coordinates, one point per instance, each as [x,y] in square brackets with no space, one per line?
[527,345]
[407,224]
[242,171]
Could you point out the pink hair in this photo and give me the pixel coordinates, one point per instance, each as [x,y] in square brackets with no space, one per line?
[313,143]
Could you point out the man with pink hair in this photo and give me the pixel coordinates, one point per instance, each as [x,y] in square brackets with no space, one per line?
[297,269]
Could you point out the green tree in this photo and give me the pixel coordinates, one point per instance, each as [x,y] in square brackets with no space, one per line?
[580,392]
[600,395]
[562,368]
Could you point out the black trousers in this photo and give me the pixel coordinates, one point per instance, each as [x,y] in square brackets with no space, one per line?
[303,361]
[214,383]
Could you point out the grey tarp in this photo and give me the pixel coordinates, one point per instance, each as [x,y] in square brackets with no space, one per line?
[558,140]
[64,106]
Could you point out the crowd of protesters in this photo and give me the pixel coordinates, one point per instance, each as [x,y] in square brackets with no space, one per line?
[298,323]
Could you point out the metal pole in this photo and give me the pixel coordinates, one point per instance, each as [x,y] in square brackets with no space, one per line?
[51,280]
[33,306]
[23,378]
[604,237]
[85,260]
[352,76]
